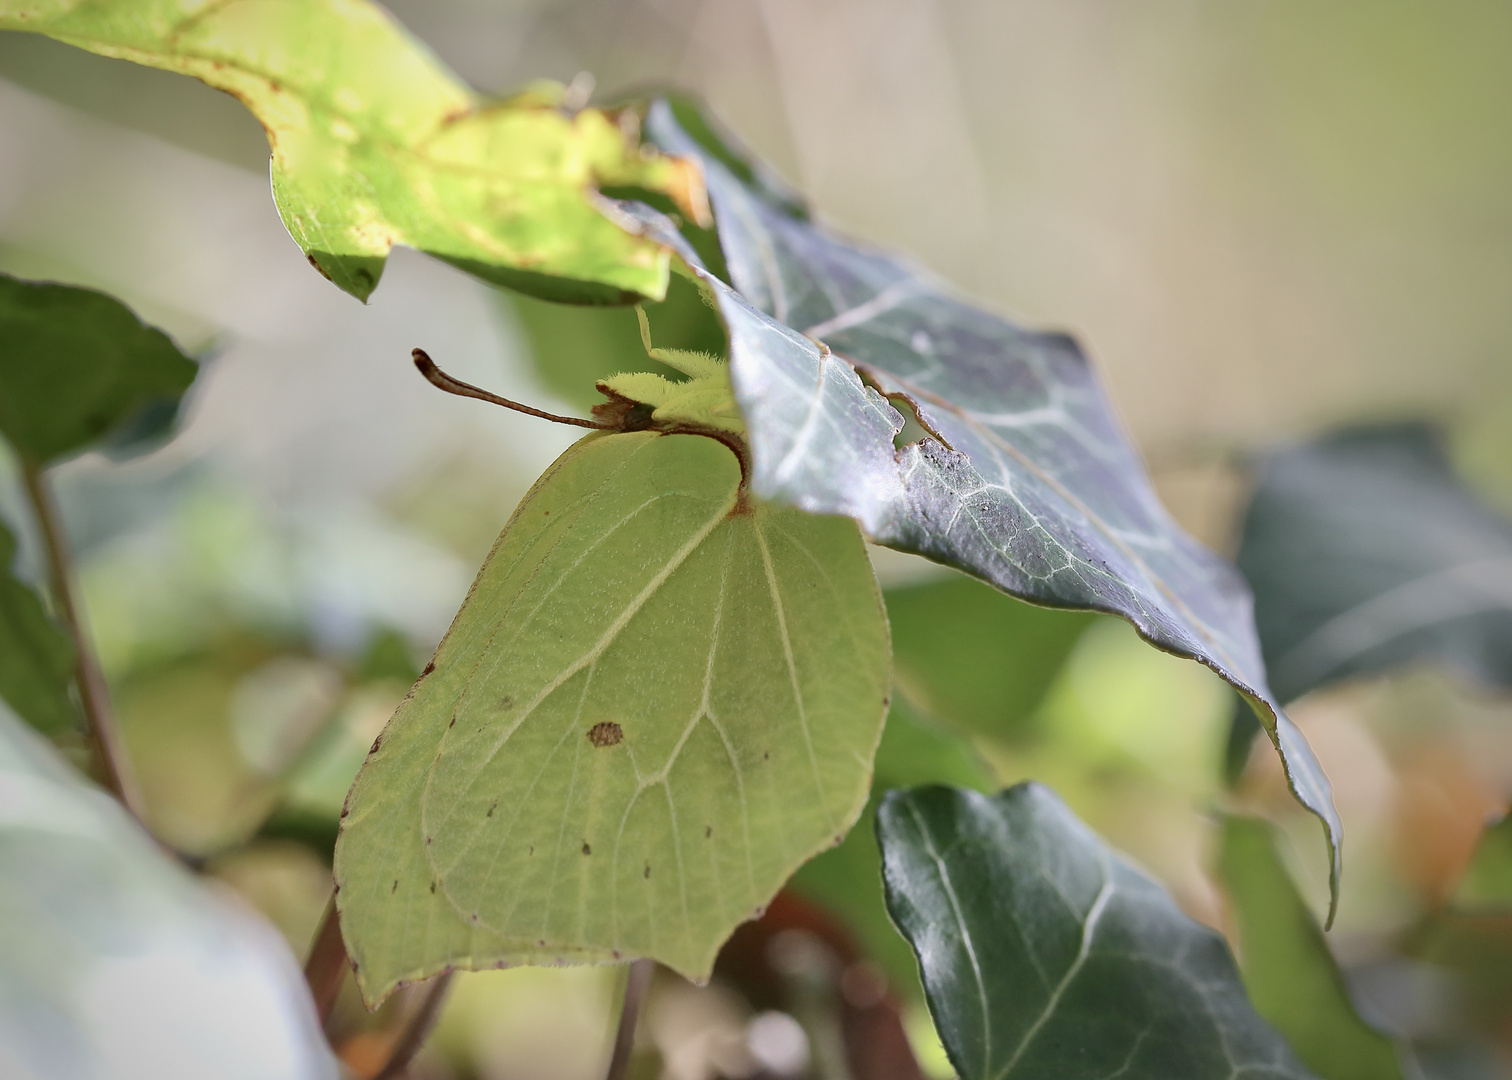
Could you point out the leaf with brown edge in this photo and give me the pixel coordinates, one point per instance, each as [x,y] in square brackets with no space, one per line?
[375,143]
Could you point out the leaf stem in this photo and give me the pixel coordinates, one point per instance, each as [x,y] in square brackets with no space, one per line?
[417,1029]
[443,381]
[94,695]
[636,982]
[326,968]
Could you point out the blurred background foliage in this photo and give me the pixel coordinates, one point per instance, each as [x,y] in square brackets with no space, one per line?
[1264,220]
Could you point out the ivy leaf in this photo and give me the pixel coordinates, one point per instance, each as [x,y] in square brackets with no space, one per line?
[77,366]
[659,699]
[115,962]
[1026,479]
[1292,977]
[1366,553]
[1044,954]
[375,143]
[36,657]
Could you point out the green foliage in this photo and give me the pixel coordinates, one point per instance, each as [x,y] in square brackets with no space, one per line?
[660,698]
[976,658]
[78,370]
[1292,978]
[663,695]
[36,657]
[77,366]
[1044,954]
[376,144]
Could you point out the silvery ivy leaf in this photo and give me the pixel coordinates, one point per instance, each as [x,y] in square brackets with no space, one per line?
[1366,553]
[1025,480]
[1044,954]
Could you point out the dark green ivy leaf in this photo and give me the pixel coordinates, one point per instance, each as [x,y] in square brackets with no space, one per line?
[36,657]
[1026,481]
[77,366]
[1046,955]
[1292,977]
[1365,553]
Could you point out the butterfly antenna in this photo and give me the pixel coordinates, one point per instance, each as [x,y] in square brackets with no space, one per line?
[442,381]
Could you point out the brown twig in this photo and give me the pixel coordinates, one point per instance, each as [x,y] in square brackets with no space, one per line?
[443,381]
[94,696]
[327,966]
[636,982]
[419,1026]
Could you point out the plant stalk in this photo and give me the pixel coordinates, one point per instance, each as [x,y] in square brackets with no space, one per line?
[326,968]
[417,1029]
[94,695]
[636,983]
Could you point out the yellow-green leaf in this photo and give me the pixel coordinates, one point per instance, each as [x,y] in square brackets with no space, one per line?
[659,699]
[375,143]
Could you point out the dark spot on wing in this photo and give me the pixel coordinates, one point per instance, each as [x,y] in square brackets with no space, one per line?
[605,733]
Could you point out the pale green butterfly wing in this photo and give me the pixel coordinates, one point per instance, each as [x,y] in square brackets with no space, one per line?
[656,703]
